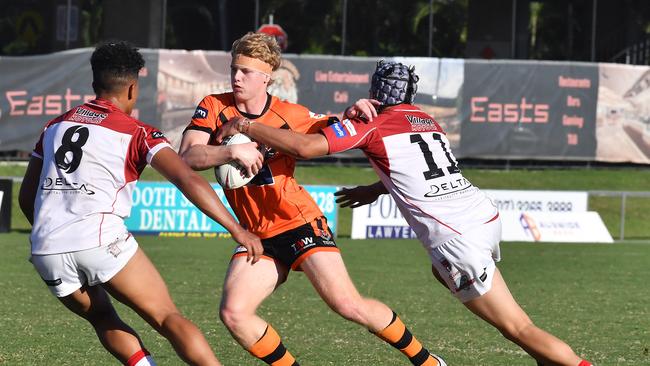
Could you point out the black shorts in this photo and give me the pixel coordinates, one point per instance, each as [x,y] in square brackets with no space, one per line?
[293,246]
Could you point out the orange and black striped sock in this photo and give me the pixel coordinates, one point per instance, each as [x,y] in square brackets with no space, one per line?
[270,349]
[398,336]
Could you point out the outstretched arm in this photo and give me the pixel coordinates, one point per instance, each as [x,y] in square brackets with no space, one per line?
[301,146]
[200,193]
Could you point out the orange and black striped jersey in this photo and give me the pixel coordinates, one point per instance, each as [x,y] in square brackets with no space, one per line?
[273,202]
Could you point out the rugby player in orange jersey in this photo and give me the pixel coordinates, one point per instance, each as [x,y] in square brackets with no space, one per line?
[275,207]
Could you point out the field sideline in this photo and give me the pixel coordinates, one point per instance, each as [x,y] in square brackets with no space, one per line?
[593,296]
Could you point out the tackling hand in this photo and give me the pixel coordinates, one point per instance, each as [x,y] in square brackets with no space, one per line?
[252,244]
[229,128]
[357,196]
[363,108]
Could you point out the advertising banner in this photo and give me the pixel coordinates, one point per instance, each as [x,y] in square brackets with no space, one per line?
[623,117]
[540,110]
[159,208]
[383,220]
[325,84]
[498,109]
[380,220]
[36,89]
[576,227]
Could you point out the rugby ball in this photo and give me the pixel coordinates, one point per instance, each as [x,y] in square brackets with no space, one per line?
[232,175]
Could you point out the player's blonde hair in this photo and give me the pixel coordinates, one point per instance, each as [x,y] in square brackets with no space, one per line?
[259,46]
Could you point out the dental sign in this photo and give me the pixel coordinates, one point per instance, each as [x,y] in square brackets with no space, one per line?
[159,208]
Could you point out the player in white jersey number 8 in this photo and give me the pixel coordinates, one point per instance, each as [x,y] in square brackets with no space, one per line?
[456,223]
[76,193]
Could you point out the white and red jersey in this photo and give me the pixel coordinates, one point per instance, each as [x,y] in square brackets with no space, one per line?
[92,157]
[410,153]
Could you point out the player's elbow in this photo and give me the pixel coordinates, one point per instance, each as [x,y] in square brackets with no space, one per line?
[195,158]
[185,180]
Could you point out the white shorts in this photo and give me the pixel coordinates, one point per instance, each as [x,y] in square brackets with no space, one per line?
[467,262]
[65,273]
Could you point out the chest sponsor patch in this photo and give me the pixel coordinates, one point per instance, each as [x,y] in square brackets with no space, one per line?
[200,113]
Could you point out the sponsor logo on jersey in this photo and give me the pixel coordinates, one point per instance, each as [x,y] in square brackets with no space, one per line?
[350,127]
[316,115]
[448,187]
[483,277]
[421,124]
[338,130]
[200,113]
[157,135]
[464,283]
[325,236]
[113,249]
[63,186]
[302,244]
[88,116]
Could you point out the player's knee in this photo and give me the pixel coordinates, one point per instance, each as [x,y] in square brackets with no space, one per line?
[348,308]
[166,321]
[102,314]
[516,331]
[102,318]
[232,315]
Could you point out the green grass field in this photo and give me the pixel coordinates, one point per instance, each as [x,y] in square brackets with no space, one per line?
[593,296]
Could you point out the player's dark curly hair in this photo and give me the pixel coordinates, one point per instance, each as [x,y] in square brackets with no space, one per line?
[115,64]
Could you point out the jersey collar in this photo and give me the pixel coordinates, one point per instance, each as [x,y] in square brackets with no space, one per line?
[403,107]
[103,104]
[269,99]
